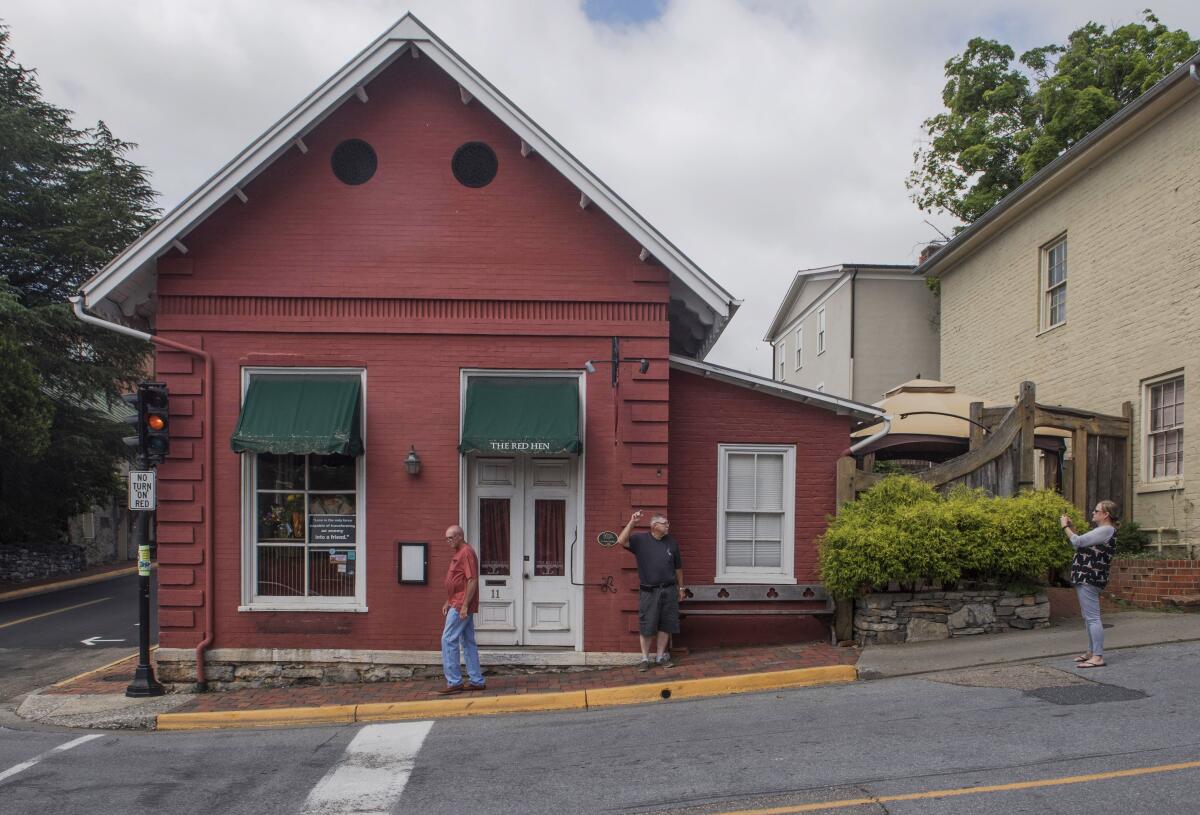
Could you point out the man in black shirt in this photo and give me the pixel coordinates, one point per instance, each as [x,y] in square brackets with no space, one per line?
[660,574]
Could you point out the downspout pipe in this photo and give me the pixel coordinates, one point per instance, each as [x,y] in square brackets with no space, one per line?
[874,437]
[209,577]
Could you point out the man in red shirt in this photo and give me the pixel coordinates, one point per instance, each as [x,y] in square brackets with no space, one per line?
[462,600]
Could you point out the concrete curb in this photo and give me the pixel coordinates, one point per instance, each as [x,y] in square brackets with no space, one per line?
[46,588]
[466,705]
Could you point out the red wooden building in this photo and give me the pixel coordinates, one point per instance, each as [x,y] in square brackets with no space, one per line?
[401,308]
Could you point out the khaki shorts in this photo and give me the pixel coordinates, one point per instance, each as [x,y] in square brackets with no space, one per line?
[658,610]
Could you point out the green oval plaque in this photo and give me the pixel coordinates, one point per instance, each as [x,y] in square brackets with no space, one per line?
[607,539]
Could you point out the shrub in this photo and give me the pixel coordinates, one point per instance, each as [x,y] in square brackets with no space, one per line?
[903,530]
[1131,539]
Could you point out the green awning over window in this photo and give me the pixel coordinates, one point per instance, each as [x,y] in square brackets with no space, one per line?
[516,415]
[300,414]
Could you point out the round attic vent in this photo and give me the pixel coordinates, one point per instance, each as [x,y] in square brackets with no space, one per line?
[474,164]
[354,161]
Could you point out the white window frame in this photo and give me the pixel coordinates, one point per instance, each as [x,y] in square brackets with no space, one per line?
[1048,255]
[800,346]
[1147,469]
[786,571]
[781,356]
[821,330]
[252,602]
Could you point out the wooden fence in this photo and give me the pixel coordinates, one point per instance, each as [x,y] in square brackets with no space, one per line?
[1001,461]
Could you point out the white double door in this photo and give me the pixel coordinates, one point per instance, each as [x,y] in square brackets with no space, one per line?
[522,523]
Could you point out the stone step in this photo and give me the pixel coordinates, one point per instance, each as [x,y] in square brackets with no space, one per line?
[1182,600]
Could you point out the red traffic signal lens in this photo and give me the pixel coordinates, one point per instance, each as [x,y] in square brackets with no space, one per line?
[155,422]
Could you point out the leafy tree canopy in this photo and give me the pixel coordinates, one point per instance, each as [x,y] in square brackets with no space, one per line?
[70,199]
[1003,121]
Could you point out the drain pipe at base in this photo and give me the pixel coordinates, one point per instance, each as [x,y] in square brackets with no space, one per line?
[209,578]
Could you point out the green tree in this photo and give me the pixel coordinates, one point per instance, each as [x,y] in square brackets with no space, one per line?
[70,199]
[1003,121]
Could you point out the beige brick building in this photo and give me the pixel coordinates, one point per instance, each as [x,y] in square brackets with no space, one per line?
[1086,280]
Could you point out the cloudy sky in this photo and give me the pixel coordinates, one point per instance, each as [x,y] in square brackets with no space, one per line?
[760,136]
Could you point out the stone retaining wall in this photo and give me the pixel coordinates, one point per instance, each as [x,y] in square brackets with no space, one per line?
[176,668]
[21,565]
[890,617]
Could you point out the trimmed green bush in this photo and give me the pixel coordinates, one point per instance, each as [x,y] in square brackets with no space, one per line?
[1131,539]
[903,530]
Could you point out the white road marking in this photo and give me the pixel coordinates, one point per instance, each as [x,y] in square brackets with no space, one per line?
[372,773]
[25,765]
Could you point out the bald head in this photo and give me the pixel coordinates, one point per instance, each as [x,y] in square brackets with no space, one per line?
[454,536]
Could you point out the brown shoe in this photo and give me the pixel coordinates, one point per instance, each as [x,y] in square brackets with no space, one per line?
[473,686]
[449,689]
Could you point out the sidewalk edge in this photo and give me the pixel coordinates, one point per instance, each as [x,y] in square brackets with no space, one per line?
[47,588]
[869,674]
[513,703]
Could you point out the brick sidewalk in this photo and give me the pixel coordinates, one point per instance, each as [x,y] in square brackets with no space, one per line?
[696,665]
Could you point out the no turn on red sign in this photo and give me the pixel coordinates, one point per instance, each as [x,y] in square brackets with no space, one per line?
[141,490]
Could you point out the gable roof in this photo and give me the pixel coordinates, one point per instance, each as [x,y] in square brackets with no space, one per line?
[1126,124]
[804,276]
[771,387]
[700,307]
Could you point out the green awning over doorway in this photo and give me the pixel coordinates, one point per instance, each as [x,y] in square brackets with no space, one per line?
[521,415]
[300,414]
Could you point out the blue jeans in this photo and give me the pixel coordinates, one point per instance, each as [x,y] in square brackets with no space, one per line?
[1089,606]
[459,631]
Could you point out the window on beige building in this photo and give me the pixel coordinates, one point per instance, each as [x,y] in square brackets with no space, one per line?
[799,348]
[1054,284]
[781,356]
[821,331]
[1163,403]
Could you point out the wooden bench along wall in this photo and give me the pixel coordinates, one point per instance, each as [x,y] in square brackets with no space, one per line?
[735,600]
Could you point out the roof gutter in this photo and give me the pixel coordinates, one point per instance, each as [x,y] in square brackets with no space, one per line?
[874,437]
[209,577]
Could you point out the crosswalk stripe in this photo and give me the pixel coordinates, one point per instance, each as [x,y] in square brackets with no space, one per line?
[25,765]
[372,772]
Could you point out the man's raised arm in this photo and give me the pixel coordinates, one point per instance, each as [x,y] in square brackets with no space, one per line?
[623,538]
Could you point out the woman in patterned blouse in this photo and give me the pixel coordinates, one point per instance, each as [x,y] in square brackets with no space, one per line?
[1089,573]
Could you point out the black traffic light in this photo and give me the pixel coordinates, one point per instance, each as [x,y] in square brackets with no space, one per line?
[152,420]
[154,423]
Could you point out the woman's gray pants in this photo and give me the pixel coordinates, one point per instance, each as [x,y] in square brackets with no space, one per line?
[1089,605]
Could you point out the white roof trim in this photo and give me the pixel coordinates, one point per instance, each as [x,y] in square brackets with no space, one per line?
[138,259]
[843,407]
[825,273]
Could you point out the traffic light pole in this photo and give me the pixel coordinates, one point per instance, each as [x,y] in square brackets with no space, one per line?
[144,683]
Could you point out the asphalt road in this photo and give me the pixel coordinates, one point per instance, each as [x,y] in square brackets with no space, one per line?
[1015,739]
[42,637]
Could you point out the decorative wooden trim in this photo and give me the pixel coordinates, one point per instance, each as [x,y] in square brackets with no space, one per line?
[413,309]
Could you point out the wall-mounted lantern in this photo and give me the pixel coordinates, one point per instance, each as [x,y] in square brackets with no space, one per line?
[412,462]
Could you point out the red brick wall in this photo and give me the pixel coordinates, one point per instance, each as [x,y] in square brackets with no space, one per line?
[705,413]
[414,277]
[1146,582]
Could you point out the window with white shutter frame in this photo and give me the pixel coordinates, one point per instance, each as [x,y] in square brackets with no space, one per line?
[756,513]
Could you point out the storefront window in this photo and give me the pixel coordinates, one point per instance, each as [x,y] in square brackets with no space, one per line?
[306,525]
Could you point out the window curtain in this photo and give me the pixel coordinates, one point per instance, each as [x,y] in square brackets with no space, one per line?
[549,538]
[493,535]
